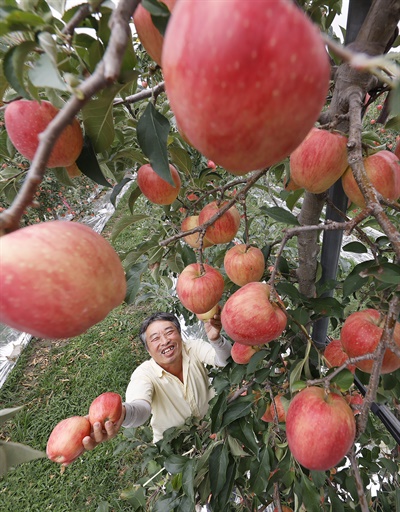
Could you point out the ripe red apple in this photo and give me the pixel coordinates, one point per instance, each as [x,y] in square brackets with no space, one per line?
[320,428]
[225,227]
[355,400]
[26,119]
[209,314]
[243,124]
[319,161]
[361,333]
[73,171]
[242,354]
[383,171]
[107,406]
[249,316]
[336,356]
[269,415]
[244,263]
[148,34]
[58,279]
[156,189]
[65,442]
[199,290]
[194,239]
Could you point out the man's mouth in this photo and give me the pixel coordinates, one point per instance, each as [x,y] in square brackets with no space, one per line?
[167,350]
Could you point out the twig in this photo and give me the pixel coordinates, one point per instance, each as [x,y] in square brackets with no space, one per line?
[249,183]
[142,95]
[358,479]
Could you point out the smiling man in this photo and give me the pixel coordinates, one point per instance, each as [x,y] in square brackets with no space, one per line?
[173,385]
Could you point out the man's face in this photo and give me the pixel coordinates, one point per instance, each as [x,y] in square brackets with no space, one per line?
[164,343]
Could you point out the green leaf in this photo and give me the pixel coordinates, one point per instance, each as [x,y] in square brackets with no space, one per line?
[280,215]
[23,20]
[221,501]
[255,359]
[356,247]
[352,283]
[6,414]
[217,412]
[218,464]
[393,123]
[12,454]
[387,273]
[152,134]
[394,103]
[46,74]
[135,194]
[244,432]
[124,222]
[188,478]
[175,463]
[344,379]
[133,279]
[260,471]
[103,506]
[237,409]
[309,495]
[117,189]
[89,165]
[180,157]
[48,44]
[236,448]
[98,118]
[14,65]
[159,14]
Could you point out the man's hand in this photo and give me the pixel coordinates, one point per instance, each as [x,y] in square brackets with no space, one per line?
[213,327]
[99,435]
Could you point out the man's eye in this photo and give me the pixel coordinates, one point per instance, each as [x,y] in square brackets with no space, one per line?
[154,339]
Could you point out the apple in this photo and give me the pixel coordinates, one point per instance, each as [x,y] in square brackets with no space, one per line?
[58,279]
[224,229]
[199,289]
[249,317]
[65,442]
[149,35]
[73,171]
[361,333]
[209,314]
[289,185]
[26,119]
[193,240]
[320,428]
[319,161]
[242,354]
[244,263]
[269,415]
[284,509]
[241,124]
[383,171]
[336,356]
[355,400]
[107,406]
[156,189]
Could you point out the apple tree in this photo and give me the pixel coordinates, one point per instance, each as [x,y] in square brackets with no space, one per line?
[235,126]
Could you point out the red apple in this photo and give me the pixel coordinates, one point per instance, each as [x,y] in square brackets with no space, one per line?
[148,34]
[193,240]
[269,415]
[156,189]
[242,354]
[26,119]
[224,229]
[73,171]
[58,279]
[107,406]
[244,263]
[355,400]
[249,316]
[360,335]
[289,185]
[243,124]
[65,442]
[383,171]
[209,314]
[319,161]
[199,290]
[336,356]
[320,428]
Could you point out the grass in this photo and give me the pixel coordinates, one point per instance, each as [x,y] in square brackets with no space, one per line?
[57,379]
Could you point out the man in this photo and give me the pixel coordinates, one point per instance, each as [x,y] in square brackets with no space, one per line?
[173,385]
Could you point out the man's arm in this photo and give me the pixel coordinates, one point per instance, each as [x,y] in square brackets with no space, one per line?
[221,345]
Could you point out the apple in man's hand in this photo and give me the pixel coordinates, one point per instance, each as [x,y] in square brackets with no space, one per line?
[65,442]
[105,407]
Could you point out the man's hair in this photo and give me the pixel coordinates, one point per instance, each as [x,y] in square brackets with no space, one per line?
[155,317]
